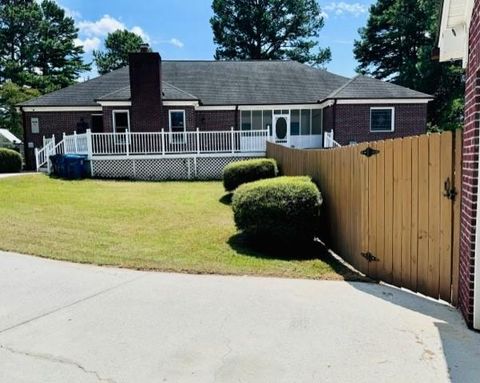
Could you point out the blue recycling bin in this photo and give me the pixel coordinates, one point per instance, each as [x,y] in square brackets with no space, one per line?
[74,166]
[58,164]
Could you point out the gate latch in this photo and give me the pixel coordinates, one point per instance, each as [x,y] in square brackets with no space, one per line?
[369,257]
[368,152]
[449,190]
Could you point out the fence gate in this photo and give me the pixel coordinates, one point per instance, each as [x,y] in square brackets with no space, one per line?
[391,207]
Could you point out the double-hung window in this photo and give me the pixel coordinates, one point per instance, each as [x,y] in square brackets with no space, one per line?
[382,119]
[177,125]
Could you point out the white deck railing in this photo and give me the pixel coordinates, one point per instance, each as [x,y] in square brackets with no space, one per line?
[167,143]
[155,144]
[329,142]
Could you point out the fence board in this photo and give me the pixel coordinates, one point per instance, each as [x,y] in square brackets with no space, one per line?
[390,204]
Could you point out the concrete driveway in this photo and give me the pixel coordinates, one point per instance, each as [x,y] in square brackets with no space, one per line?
[62,322]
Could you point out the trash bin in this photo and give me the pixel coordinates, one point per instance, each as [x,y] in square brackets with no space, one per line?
[75,166]
[58,165]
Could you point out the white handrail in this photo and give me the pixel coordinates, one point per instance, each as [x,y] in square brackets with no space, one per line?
[329,142]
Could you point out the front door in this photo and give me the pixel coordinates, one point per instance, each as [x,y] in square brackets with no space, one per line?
[281,128]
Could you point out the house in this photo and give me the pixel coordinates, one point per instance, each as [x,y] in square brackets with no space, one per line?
[459,39]
[293,102]
[9,140]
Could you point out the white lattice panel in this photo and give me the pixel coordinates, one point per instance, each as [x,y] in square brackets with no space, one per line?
[157,169]
[211,168]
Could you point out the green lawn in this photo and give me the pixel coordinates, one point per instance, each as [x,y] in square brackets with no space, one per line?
[170,226]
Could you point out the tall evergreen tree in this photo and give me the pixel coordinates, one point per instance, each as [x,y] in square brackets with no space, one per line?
[268,29]
[118,45]
[397,44]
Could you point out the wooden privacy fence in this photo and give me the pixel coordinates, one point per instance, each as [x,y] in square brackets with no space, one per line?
[390,207]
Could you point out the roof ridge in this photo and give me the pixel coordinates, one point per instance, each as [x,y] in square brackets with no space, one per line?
[112,92]
[339,89]
[180,90]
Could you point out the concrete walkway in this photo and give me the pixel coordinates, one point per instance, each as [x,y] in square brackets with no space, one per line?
[6,175]
[62,322]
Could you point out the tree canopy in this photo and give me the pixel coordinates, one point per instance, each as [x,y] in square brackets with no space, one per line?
[396,45]
[118,45]
[268,29]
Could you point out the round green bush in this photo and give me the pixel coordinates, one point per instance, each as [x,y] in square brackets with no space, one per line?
[241,172]
[283,209]
[10,161]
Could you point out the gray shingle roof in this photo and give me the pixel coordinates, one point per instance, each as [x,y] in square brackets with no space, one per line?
[169,92]
[231,83]
[368,87]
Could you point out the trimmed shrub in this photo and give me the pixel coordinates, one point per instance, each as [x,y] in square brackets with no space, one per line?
[241,172]
[283,209]
[10,161]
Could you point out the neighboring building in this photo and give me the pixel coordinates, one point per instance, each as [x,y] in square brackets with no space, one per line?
[459,39]
[296,102]
[9,140]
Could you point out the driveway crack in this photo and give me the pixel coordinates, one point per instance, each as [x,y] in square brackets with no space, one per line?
[43,315]
[54,359]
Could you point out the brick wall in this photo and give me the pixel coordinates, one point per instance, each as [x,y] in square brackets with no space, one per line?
[470,170]
[51,123]
[217,120]
[352,122]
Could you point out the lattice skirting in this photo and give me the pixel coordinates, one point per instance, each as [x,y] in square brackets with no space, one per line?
[157,169]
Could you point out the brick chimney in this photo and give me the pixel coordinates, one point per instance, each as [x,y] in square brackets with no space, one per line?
[145,88]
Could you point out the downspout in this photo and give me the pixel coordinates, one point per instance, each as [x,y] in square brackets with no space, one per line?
[236,117]
[476,275]
[334,119]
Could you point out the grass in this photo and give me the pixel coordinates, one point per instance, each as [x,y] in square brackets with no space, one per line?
[169,226]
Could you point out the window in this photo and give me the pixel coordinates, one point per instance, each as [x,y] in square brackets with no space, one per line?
[97,123]
[121,121]
[316,121]
[246,119]
[382,119]
[305,126]
[257,120]
[295,122]
[267,120]
[177,124]
[35,125]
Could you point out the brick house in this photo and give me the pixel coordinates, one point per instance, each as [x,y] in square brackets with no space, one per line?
[459,39]
[295,102]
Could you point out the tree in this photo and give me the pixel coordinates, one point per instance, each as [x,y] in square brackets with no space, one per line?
[58,57]
[118,45]
[396,45]
[10,95]
[37,45]
[268,30]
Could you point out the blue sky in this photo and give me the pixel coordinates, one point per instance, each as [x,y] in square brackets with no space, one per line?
[180,29]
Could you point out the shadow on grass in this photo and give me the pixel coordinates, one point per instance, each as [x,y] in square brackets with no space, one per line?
[226,199]
[245,245]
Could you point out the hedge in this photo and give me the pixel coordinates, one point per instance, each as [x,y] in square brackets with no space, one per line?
[241,172]
[283,209]
[10,161]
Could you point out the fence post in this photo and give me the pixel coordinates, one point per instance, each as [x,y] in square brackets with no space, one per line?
[163,142]
[232,137]
[127,142]
[198,141]
[36,156]
[89,144]
[75,141]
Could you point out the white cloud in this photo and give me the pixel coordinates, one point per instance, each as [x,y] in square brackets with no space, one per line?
[101,27]
[176,42]
[105,25]
[343,8]
[89,44]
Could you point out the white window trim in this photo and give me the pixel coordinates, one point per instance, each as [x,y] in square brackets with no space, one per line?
[184,124]
[392,129]
[114,122]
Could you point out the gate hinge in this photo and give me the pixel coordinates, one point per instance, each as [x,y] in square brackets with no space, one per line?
[369,257]
[449,190]
[368,152]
